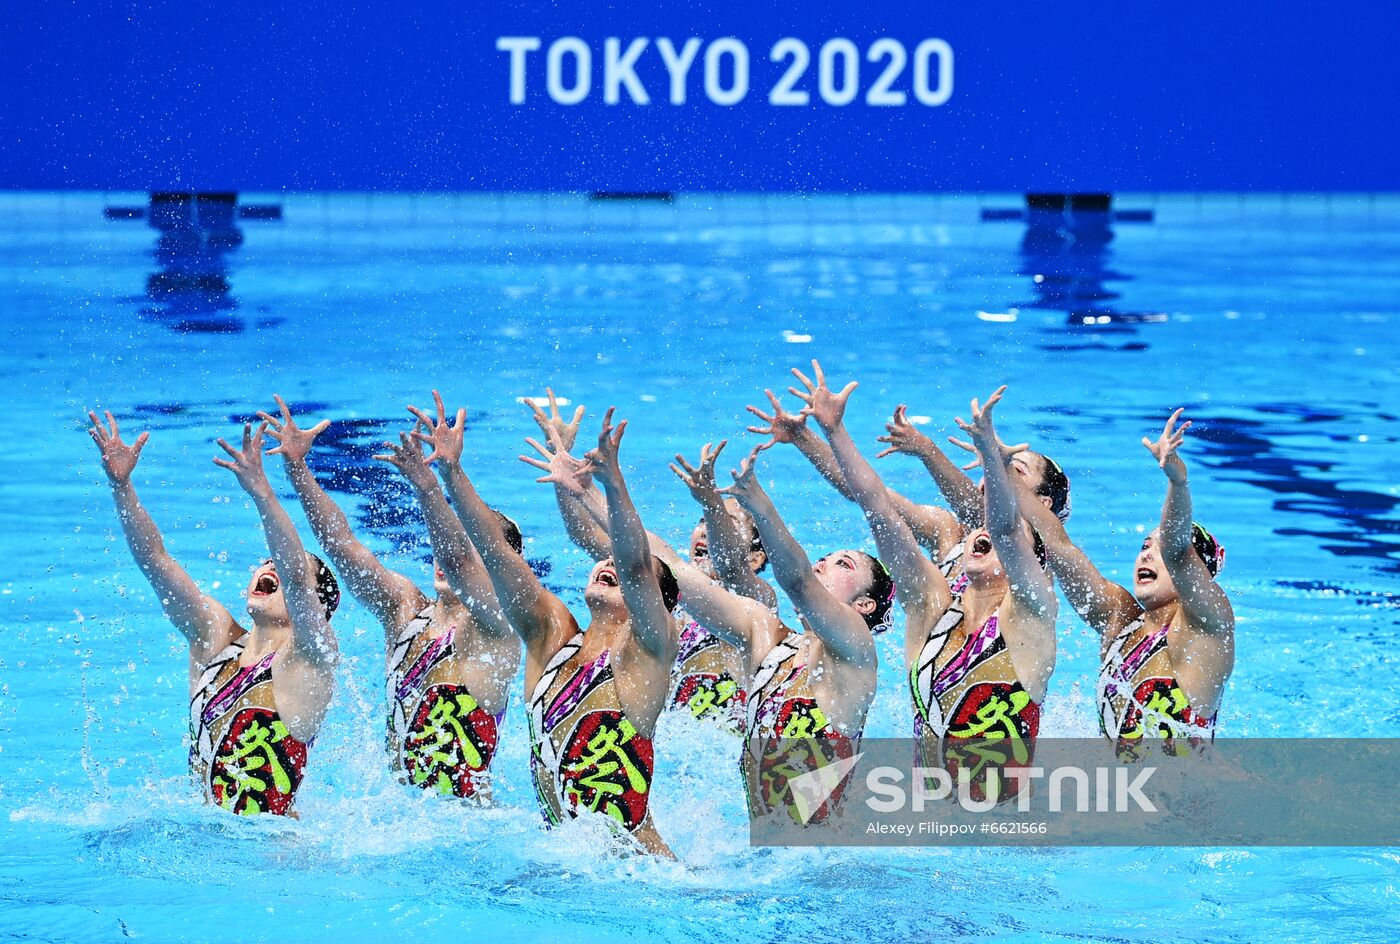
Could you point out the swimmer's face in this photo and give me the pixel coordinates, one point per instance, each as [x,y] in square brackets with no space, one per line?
[603,590]
[1029,467]
[700,550]
[980,558]
[440,584]
[1152,585]
[848,575]
[264,596]
[700,543]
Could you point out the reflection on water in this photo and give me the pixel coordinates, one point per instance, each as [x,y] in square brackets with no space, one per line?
[190,292]
[1358,522]
[1066,251]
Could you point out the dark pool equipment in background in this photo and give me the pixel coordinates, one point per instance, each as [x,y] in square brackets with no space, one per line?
[190,291]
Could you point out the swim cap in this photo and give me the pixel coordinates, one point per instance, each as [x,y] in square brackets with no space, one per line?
[1211,550]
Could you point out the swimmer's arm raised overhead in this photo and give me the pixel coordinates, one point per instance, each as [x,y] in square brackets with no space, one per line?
[652,625]
[1203,602]
[935,528]
[922,588]
[581,506]
[531,609]
[452,549]
[843,632]
[312,639]
[204,622]
[1106,606]
[1030,588]
[391,597]
[727,547]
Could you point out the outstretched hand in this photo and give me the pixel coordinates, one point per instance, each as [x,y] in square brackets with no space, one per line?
[445,438]
[903,437]
[246,463]
[783,426]
[827,407]
[700,479]
[293,442]
[985,441]
[746,487]
[560,468]
[554,423]
[1164,449]
[118,458]
[604,458]
[407,457]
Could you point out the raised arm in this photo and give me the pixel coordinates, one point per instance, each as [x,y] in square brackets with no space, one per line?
[728,549]
[1030,587]
[581,506]
[452,549]
[203,621]
[937,529]
[922,588]
[1103,604]
[932,526]
[390,596]
[652,625]
[312,639]
[1202,600]
[531,609]
[840,628]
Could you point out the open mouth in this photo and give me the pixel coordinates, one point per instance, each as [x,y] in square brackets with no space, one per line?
[981,546]
[700,550]
[437,572]
[266,586]
[1145,574]
[606,577]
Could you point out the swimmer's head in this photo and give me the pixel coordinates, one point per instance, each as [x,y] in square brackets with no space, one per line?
[1046,479]
[981,561]
[265,597]
[1152,585]
[700,541]
[860,581]
[509,528]
[603,592]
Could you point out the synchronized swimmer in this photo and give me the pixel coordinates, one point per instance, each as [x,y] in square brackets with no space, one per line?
[698,633]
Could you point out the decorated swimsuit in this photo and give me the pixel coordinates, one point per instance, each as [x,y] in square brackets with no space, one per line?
[972,696]
[1139,696]
[701,681]
[587,757]
[438,734]
[789,734]
[241,752]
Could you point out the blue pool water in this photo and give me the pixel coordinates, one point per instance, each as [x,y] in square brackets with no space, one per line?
[1281,338]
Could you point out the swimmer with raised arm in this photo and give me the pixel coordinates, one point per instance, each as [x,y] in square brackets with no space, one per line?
[940,531]
[450,660]
[708,679]
[980,658]
[257,696]
[802,692]
[813,687]
[1168,646]
[595,694]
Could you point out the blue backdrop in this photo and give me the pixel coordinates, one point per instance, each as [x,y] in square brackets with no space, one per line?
[1012,95]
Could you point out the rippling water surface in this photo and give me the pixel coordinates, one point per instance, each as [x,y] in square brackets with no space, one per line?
[1274,321]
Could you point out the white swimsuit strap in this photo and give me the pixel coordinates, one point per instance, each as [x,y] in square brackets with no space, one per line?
[204,693]
[777,656]
[543,742]
[1109,717]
